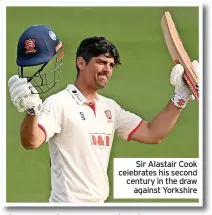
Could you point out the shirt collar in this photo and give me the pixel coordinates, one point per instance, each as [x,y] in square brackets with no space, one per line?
[78,96]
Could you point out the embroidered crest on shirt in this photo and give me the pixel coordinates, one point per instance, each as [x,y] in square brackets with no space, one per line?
[109,116]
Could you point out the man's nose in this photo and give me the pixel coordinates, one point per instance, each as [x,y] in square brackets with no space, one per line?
[107,68]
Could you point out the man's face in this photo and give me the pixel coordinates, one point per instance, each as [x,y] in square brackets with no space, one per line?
[98,71]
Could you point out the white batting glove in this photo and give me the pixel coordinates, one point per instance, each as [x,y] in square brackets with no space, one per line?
[22,97]
[182,92]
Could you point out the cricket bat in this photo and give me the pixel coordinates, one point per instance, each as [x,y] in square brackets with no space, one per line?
[179,54]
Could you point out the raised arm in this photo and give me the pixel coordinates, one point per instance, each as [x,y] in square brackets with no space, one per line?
[155,130]
[31,134]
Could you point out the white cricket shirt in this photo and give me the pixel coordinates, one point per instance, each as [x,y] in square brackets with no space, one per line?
[80,136]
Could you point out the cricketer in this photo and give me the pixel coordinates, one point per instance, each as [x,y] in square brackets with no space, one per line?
[78,123]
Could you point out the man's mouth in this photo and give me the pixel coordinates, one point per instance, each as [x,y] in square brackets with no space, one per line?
[102,78]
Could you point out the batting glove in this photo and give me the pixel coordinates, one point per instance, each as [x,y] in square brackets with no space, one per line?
[182,92]
[23,95]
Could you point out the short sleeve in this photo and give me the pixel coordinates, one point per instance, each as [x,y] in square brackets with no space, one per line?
[127,123]
[49,119]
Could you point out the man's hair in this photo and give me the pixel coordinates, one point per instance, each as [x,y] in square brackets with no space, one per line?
[95,46]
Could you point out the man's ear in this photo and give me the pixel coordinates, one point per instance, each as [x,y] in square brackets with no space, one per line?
[81,63]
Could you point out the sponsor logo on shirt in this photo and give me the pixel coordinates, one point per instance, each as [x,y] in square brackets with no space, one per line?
[100,139]
[82,115]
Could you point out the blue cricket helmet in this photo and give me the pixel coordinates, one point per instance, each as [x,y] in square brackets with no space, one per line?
[37,45]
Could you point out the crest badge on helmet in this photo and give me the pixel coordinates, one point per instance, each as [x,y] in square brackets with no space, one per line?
[42,40]
[30,46]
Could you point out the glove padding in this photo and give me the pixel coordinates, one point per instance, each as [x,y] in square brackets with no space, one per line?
[22,95]
[176,79]
[182,91]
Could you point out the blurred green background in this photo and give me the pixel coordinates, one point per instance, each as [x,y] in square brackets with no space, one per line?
[140,84]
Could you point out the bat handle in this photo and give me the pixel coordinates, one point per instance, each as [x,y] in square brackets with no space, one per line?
[176,61]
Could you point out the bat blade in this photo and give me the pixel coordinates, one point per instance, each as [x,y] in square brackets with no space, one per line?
[179,54]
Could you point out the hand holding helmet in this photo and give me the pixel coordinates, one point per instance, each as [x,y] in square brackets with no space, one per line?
[24,96]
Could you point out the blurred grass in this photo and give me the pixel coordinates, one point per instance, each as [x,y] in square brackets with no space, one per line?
[140,84]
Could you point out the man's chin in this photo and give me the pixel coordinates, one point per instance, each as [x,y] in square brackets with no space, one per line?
[101,85]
